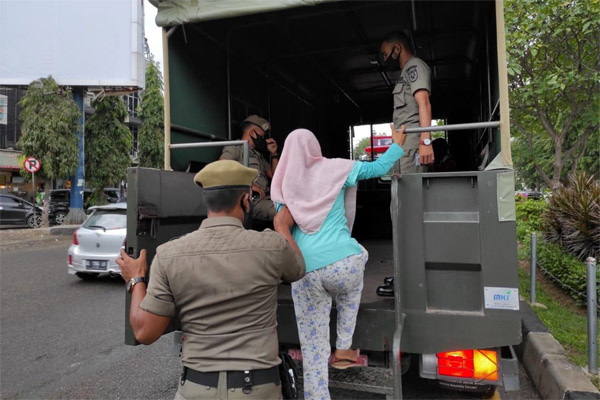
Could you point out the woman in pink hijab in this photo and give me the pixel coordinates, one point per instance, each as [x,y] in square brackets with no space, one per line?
[320,193]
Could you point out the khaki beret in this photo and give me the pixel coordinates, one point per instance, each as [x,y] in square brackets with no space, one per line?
[258,121]
[223,174]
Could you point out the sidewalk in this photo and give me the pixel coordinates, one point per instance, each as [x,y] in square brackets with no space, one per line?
[17,238]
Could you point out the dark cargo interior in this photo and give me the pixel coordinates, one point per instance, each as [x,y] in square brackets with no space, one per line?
[316,67]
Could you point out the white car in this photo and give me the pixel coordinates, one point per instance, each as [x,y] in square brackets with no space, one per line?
[96,244]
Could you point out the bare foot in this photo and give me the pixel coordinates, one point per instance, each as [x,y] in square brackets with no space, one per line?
[349,354]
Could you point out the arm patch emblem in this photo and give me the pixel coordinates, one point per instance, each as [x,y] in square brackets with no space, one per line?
[413,75]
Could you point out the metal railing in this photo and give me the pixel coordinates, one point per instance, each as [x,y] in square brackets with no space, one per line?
[243,143]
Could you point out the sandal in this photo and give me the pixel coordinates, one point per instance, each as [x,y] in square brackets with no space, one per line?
[344,363]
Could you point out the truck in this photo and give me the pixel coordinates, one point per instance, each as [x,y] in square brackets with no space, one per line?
[448,239]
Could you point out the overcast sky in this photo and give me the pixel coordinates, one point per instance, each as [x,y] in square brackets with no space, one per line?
[153,33]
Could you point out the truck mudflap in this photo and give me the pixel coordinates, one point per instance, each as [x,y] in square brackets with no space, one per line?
[472,370]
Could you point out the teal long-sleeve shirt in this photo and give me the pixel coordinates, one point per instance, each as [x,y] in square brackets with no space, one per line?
[333,241]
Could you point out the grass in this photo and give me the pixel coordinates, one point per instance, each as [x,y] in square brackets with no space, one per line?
[567,326]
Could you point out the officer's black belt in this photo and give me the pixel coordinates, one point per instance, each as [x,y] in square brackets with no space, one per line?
[235,379]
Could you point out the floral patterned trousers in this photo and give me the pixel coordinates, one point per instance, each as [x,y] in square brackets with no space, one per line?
[342,281]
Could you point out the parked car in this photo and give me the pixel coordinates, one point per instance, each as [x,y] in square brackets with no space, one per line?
[97,243]
[16,211]
[60,201]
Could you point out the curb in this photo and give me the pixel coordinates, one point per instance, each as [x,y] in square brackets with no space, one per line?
[544,359]
[66,230]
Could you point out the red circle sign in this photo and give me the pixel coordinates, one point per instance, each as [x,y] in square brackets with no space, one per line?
[32,164]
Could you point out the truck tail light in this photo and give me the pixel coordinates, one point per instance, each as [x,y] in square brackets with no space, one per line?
[477,364]
[75,241]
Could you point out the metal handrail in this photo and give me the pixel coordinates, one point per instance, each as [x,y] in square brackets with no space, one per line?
[454,127]
[243,143]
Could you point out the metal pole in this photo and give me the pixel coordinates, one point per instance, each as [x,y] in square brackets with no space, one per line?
[533,264]
[243,143]
[454,127]
[592,314]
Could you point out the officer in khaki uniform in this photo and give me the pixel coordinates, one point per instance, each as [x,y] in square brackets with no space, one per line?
[411,100]
[263,157]
[221,281]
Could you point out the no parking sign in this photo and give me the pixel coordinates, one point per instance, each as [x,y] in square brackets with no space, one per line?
[32,164]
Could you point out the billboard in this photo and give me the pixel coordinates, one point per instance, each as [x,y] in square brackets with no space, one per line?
[93,43]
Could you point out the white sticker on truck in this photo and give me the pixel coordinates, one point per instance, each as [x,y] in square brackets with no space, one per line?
[501,298]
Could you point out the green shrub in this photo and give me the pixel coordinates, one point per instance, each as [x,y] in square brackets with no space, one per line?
[529,218]
[571,272]
[565,267]
[572,219]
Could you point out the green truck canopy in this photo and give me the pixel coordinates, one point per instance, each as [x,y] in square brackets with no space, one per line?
[177,12]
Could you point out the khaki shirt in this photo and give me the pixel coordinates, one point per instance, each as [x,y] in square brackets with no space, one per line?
[255,160]
[221,281]
[415,76]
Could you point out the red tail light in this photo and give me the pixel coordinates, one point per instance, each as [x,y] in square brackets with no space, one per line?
[70,259]
[75,241]
[477,364]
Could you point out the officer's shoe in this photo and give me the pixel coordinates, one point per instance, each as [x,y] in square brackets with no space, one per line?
[388,280]
[386,291]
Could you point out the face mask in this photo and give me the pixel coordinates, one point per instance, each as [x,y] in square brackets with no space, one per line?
[391,63]
[260,144]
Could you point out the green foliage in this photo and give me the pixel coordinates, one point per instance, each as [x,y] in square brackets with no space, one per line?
[571,273]
[50,121]
[151,136]
[359,150]
[107,146]
[529,217]
[554,72]
[572,219]
[568,327]
[567,268]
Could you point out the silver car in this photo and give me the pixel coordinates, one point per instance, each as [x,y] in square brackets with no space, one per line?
[96,244]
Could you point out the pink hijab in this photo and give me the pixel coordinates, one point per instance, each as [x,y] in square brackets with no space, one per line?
[309,183]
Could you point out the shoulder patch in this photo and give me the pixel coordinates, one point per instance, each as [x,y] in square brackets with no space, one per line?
[412,73]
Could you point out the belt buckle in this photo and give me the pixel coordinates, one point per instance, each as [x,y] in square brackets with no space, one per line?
[247,382]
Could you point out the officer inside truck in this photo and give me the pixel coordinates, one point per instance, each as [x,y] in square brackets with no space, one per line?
[221,281]
[411,99]
[263,157]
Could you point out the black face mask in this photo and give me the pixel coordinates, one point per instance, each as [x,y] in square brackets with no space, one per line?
[391,63]
[260,143]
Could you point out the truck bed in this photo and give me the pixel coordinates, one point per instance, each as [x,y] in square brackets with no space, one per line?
[379,266]
[375,322]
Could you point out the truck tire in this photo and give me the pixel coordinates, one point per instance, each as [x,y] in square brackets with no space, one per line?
[87,276]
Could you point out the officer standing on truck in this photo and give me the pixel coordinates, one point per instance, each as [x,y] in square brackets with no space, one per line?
[221,281]
[411,100]
[263,157]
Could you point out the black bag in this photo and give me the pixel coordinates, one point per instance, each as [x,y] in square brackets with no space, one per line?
[289,377]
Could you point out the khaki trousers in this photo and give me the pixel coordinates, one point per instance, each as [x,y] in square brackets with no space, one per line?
[407,162]
[192,390]
[264,209]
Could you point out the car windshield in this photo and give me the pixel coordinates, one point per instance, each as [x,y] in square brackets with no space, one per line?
[106,219]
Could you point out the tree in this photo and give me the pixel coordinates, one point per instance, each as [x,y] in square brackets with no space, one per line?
[554,72]
[107,145]
[359,150]
[150,136]
[50,121]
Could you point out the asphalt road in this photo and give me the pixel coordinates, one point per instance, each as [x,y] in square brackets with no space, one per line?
[62,338]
